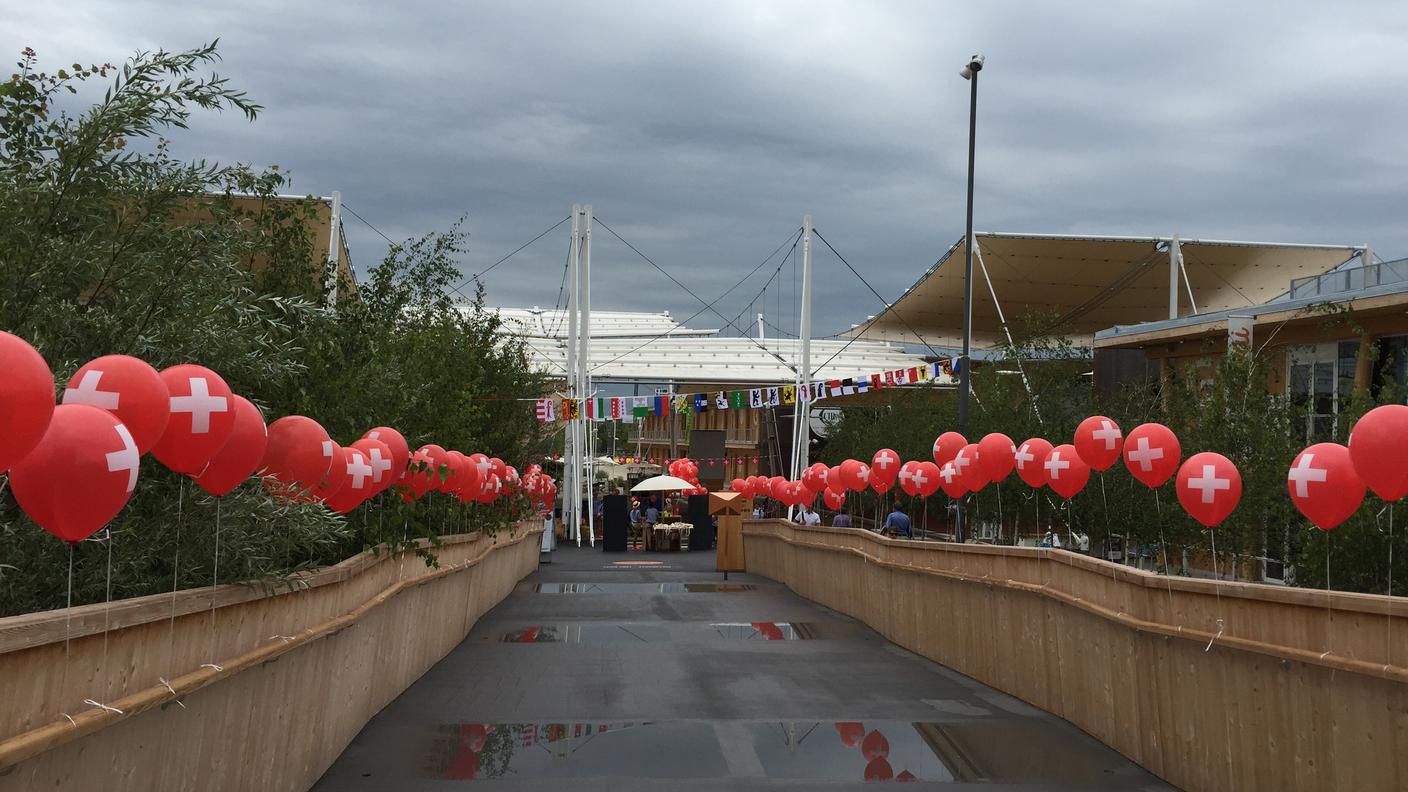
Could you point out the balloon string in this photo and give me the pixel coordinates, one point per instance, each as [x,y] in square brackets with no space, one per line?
[68,622]
[1216,584]
[1163,546]
[1105,501]
[215,581]
[1389,659]
[176,570]
[107,609]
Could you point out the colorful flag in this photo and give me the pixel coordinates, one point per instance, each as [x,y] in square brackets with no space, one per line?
[889,379]
[545,411]
[737,400]
[876,383]
[789,394]
[618,410]
[862,384]
[914,375]
[569,410]
[640,407]
[662,405]
[901,377]
[721,400]
[755,397]
[774,397]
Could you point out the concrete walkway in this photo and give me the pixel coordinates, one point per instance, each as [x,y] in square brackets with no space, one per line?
[595,675]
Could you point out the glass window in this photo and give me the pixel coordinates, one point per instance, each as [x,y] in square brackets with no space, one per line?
[1324,396]
[1347,360]
[1300,383]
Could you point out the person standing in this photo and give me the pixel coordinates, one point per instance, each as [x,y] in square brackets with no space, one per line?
[897,523]
[808,517]
[842,519]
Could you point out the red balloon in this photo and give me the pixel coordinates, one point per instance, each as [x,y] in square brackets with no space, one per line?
[1209,487]
[534,469]
[851,733]
[424,474]
[1324,485]
[926,478]
[834,500]
[946,446]
[880,487]
[1030,460]
[500,469]
[740,486]
[906,776]
[966,463]
[240,456]
[298,455]
[777,488]
[26,399]
[202,417]
[380,458]
[457,465]
[79,475]
[997,455]
[479,471]
[1066,472]
[951,481]
[1152,453]
[489,489]
[833,479]
[400,451]
[855,474]
[814,477]
[1098,442]
[875,746]
[129,389]
[878,770]
[1379,448]
[906,478]
[358,482]
[884,466]
[801,496]
[335,477]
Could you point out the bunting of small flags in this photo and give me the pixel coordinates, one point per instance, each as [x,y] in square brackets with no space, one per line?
[631,408]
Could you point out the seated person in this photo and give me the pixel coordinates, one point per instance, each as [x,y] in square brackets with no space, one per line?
[897,523]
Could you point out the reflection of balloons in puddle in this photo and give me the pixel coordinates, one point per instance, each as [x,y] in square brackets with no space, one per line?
[473,735]
[769,631]
[463,765]
[875,746]
[878,770]
[851,733]
[906,776]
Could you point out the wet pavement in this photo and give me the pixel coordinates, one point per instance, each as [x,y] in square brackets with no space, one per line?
[662,675]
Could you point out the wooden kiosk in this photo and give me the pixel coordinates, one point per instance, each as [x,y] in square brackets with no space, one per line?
[729,507]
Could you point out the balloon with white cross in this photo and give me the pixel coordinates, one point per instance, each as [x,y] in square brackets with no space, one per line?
[357,483]
[241,454]
[1098,441]
[129,389]
[951,480]
[456,464]
[834,500]
[335,477]
[946,446]
[926,478]
[1030,460]
[381,459]
[1152,453]
[884,467]
[1209,487]
[970,472]
[202,417]
[814,477]
[423,474]
[26,398]
[1066,473]
[1324,485]
[400,450]
[998,455]
[298,455]
[80,474]
[906,478]
[1378,447]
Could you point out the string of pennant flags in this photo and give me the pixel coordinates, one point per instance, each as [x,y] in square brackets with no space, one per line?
[628,408]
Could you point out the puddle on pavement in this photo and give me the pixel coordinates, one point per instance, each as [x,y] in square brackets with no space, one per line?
[980,750]
[597,632]
[635,588]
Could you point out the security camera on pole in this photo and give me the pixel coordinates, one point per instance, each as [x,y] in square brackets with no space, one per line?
[969,73]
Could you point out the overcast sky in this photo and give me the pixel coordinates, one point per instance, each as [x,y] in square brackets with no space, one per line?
[702,132]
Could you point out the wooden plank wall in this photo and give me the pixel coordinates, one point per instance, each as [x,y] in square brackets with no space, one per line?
[1211,686]
[266,700]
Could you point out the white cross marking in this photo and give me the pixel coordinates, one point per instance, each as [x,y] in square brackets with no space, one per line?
[906,474]
[358,469]
[1055,464]
[948,472]
[919,479]
[373,435]
[1023,456]
[1209,483]
[884,460]
[960,461]
[1145,454]
[327,448]
[485,467]
[87,392]
[379,465]
[1302,474]
[864,474]
[1108,433]
[200,404]
[125,458]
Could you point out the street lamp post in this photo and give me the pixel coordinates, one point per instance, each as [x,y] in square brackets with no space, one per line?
[969,73]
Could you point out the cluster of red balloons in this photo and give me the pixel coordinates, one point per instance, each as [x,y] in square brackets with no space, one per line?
[874,749]
[74,466]
[688,470]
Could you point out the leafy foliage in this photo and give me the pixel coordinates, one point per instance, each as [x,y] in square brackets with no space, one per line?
[108,244]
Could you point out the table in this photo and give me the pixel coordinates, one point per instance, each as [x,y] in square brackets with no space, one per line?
[670,536]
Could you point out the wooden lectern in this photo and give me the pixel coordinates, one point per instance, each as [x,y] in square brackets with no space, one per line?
[729,507]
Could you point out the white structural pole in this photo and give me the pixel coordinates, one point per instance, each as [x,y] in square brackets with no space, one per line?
[1175,262]
[590,467]
[801,409]
[334,248]
[571,486]
[761,335]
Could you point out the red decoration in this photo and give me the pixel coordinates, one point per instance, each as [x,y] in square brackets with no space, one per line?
[875,746]
[79,475]
[814,477]
[740,486]
[298,454]
[834,500]
[970,474]
[357,485]
[1098,442]
[334,478]
[1152,453]
[906,776]
[778,488]
[906,478]
[380,458]
[240,456]
[202,417]
[880,487]
[26,399]
[1209,487]
[851,733]
[129,389]
[951,481]
[500,468]
[855,475]
[457,465]
[1066,472]
[926,478]
[946,446]
[1378,447]
[878,770]
[998,455]
[1030,461]
[884,467]
[1324,485]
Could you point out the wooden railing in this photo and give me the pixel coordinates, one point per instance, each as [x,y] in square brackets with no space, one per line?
[1210,685]
[237,687]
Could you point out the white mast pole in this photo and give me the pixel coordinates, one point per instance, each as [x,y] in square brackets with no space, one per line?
[571,486]
[801,408]
[590,467]
[1175,261]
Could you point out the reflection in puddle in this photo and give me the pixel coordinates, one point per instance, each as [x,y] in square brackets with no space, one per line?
[977,750]
[634,588]
[596,632]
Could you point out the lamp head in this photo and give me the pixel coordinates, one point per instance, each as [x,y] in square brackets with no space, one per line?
[974,66]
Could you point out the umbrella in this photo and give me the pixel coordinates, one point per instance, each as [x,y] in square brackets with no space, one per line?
[661,484]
